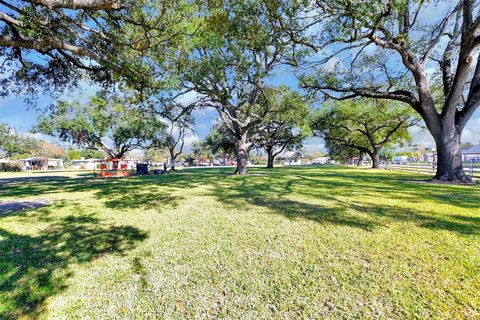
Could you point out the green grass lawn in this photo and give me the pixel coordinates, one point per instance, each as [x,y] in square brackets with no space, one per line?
[318,242]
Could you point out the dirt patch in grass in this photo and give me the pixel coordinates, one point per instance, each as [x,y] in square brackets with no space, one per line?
[18,205]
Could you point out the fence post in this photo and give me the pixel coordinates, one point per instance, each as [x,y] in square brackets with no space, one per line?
[471,168]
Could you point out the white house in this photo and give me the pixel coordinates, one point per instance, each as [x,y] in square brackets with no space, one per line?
[87,164]
[321,160]
[40,163]
[291,158]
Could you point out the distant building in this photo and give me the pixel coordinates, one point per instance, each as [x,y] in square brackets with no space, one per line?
[291,158]
[472,153]
[85,164]
[400,160]
[321,160]
[40,163]
[91,164]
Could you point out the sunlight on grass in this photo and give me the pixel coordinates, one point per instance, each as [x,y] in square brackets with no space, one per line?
[318,242]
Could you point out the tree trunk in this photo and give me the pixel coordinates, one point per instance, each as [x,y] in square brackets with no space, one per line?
[270,158]
[172,163]
[359,163]
[449,155]
[241,148]
[375,155]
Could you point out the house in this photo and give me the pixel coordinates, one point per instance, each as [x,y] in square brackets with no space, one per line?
[321,160]
[291,158]
[85,164]
[98,164]
[40,163]
[471,154]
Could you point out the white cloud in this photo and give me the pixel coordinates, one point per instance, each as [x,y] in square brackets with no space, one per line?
[83,93]
[38,136]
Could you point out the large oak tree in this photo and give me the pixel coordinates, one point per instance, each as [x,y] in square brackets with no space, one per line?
[173,137]
[364,125]
[398,50]
[113,127]
[286,124]
[235,52]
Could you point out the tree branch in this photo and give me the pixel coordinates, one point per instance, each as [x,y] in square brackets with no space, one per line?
[473,99]
[80,4]
[398,95]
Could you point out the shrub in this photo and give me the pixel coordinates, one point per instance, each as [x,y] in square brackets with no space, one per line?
[10,166]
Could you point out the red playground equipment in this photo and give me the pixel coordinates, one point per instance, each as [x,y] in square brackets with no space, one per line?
[114,168]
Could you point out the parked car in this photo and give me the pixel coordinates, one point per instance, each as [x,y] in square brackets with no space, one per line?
[400,160]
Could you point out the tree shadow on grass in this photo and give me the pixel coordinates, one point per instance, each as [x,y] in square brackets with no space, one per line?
[394,184]
[40,186]
[461,224]
[272,196]
[41,179]
[332,215]
[35,267]
[343,209]
[146,192]
[142,200]
[273,189]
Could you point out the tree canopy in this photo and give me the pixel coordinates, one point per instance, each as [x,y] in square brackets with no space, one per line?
[286,124]
[220,141]
[344,153]
[364,124]
[13,143]
[51,45]
[113,127]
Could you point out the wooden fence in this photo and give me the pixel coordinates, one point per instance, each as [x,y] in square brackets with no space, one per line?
[471,169]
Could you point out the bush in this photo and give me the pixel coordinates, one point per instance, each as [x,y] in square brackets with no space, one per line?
[10,166]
